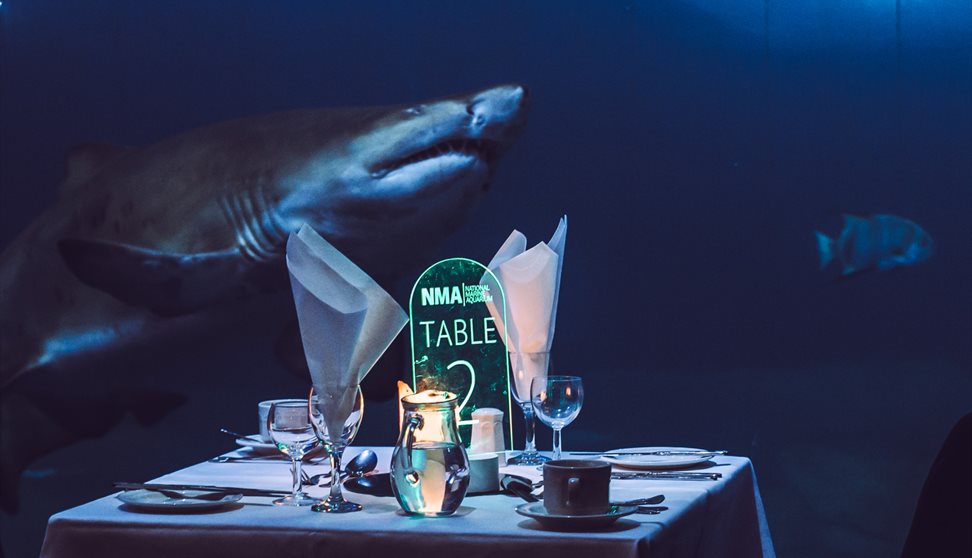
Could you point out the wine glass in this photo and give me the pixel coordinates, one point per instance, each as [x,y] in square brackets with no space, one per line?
[317,409]
[557,401]
[525,368]
[291,431]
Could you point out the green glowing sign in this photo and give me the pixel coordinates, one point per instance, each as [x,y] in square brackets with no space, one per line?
[456,345]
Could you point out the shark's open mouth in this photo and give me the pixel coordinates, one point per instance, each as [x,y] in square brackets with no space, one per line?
[481,149]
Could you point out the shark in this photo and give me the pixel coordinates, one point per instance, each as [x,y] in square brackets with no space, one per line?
[175,240]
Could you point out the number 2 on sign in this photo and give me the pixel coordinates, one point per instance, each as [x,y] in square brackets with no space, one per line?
[472,385]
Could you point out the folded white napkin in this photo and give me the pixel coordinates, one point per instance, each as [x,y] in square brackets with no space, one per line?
[531,283]
[346,321]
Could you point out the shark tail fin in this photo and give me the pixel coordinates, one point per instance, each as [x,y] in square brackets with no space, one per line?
[825,245]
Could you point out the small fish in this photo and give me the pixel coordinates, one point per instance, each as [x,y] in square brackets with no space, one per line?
[877,243]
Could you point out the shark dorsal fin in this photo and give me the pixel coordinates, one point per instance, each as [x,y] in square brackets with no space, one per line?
[86,160]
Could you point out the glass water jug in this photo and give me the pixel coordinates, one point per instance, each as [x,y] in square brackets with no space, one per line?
[429,468]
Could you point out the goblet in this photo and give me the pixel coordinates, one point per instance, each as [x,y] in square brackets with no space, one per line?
[318,407]
[557,401]
[291,431]
[526,367]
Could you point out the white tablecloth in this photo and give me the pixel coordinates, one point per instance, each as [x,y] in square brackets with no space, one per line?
[711,518]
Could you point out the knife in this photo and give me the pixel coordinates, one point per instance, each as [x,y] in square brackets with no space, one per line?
[208,488]
[664,453]
[661,475]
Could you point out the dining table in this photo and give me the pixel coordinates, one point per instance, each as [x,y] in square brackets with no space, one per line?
[723,517]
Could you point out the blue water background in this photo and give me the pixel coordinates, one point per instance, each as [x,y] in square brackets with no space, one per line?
[695,146]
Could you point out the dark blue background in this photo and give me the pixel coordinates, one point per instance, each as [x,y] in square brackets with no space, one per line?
[695,145]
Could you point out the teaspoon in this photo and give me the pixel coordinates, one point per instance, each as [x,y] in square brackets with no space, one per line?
[362,464]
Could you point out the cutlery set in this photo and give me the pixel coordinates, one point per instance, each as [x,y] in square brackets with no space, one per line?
[176,488]
[660,453]
[666,475]
[367,460]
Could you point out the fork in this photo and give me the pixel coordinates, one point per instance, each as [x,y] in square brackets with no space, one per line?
[176,495]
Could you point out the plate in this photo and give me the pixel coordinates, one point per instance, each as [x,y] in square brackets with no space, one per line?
[536,511]
[269,448]
[656,461]
[258,447]
[152,500]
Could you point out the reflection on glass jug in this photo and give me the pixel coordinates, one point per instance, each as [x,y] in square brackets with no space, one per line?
[430,468]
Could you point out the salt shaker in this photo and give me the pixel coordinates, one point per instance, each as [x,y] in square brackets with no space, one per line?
[487,431]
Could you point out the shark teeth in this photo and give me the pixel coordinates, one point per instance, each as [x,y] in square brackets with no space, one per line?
[481,149]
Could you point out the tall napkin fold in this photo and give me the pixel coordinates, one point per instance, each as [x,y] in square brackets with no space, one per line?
[346,321]
[531,282]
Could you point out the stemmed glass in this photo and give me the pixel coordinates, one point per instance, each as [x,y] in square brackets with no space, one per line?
[335,445]
[557,401]
[527,367]
[291,431]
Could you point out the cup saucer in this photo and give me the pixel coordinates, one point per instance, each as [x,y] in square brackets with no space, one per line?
[535,510]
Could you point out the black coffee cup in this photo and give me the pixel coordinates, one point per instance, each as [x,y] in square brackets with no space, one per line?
[576,487]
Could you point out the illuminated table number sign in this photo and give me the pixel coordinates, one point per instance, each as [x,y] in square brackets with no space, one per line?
[456,345]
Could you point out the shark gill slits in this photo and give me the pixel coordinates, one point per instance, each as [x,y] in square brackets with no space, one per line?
[245,232]
[266,206]
[257,237]
[254,222]
[233,220]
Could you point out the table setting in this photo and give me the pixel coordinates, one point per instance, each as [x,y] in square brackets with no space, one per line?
[297,484]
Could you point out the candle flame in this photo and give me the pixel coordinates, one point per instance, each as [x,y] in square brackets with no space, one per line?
[403,390]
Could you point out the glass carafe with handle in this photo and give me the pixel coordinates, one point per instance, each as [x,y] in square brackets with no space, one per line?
[429,468]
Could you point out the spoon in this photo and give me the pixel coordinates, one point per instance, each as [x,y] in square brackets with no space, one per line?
[518,486]
[651,510]
[362,464]
[642,501]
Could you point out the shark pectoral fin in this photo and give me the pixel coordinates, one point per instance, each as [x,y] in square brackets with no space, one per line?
[167,284]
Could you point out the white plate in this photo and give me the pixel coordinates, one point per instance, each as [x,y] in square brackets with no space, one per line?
[574,522]
[268,448]
[656,461]
[152,500]
[258,447]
